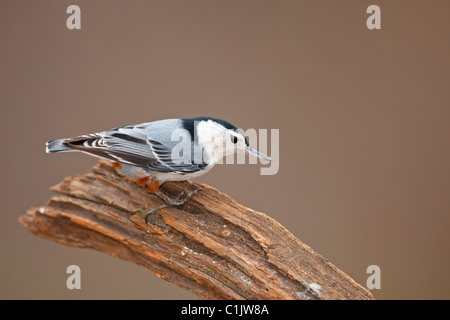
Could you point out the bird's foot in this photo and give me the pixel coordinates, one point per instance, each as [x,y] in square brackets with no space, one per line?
[178,201]
[169,202]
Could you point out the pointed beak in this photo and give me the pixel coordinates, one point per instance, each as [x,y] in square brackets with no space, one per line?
[257,154]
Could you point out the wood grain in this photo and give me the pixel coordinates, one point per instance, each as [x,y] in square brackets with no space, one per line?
[211,246]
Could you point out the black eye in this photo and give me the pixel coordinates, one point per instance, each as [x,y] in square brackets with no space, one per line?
[234,139]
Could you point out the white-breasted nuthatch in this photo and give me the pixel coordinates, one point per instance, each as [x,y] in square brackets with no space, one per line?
[152,153]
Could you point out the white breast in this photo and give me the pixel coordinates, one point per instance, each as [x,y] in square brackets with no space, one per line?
[210,136]
[172,176]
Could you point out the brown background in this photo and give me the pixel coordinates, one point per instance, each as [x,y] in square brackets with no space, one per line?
[363,118]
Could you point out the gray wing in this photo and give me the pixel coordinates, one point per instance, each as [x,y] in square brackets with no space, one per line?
[148,145]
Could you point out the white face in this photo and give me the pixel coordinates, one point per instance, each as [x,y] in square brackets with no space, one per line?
[219,141]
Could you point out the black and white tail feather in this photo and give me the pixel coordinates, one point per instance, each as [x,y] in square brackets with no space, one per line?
[54,146]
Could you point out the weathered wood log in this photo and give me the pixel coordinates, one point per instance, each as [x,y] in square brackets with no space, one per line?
[211,246]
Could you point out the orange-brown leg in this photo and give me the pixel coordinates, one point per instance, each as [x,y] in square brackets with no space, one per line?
[142,182]
[153,186]
[117,165]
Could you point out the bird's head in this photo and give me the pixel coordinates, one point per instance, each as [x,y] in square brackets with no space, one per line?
[220,138]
